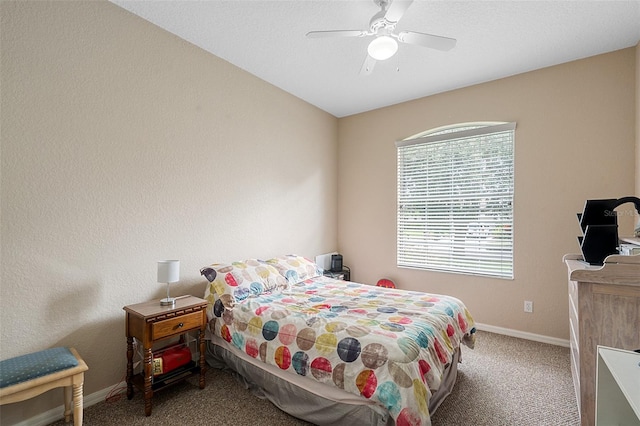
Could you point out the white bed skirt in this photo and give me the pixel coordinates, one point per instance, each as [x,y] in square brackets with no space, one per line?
[309,400]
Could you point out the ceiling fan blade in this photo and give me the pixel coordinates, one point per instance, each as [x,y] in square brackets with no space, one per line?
[427,40]
[397,9]
[367,66]
[336,33]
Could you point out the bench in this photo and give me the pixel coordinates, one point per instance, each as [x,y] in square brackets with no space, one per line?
[30,375]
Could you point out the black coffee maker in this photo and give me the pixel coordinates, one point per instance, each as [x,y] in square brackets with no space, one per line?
[599,223]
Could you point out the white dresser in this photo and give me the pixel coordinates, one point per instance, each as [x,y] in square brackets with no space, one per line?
[604,309]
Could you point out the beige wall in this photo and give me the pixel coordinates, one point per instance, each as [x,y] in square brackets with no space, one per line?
[123,145]
[575,140]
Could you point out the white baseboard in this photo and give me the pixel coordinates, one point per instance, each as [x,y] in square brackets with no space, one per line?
[523,335]
[57,413]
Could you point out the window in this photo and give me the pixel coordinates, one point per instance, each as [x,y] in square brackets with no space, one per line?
[455,199]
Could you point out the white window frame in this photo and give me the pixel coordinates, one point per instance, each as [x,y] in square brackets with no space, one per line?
[455,211]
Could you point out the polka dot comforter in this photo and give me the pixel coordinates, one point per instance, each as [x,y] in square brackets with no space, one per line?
[388,345]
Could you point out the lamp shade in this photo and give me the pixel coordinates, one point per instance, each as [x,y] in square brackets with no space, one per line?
[382,47]
[168,271]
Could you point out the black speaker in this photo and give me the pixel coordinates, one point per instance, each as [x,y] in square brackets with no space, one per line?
[336,263]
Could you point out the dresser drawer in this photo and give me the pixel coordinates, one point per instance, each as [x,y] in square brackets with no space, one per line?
[177,325]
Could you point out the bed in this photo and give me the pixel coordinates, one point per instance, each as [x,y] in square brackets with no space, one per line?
[330,351]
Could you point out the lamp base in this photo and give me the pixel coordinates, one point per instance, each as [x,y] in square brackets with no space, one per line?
[169,301]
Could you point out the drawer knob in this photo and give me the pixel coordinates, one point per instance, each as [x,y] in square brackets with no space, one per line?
[180,325]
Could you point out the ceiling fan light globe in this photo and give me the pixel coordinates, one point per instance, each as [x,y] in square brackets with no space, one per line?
[382,47]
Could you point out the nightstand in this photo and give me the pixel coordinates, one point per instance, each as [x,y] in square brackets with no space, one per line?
[150,323]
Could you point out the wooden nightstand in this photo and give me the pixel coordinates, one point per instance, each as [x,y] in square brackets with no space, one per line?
[149,323]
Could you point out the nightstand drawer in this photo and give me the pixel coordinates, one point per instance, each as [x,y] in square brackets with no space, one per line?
[176,325]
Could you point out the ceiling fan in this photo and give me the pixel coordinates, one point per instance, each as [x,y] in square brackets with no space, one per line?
[381,26]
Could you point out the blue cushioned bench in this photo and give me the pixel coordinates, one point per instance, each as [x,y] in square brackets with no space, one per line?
[26,376]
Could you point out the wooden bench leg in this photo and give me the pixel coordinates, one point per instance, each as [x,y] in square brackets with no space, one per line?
[67,404]
[74,395]
[77,404]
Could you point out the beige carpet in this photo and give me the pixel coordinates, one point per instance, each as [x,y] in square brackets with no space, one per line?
[503,381]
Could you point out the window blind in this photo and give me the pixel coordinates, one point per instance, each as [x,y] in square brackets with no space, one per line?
[455,200]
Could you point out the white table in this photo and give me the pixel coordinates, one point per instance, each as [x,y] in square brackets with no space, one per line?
[618,387]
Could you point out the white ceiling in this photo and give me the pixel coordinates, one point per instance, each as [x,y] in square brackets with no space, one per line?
[495,39]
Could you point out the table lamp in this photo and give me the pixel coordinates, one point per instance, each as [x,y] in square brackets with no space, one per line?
[168,272]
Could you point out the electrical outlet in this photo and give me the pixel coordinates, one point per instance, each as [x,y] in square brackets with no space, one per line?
[528,306]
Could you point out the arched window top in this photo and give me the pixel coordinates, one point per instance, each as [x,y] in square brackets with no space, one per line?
[461,129]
